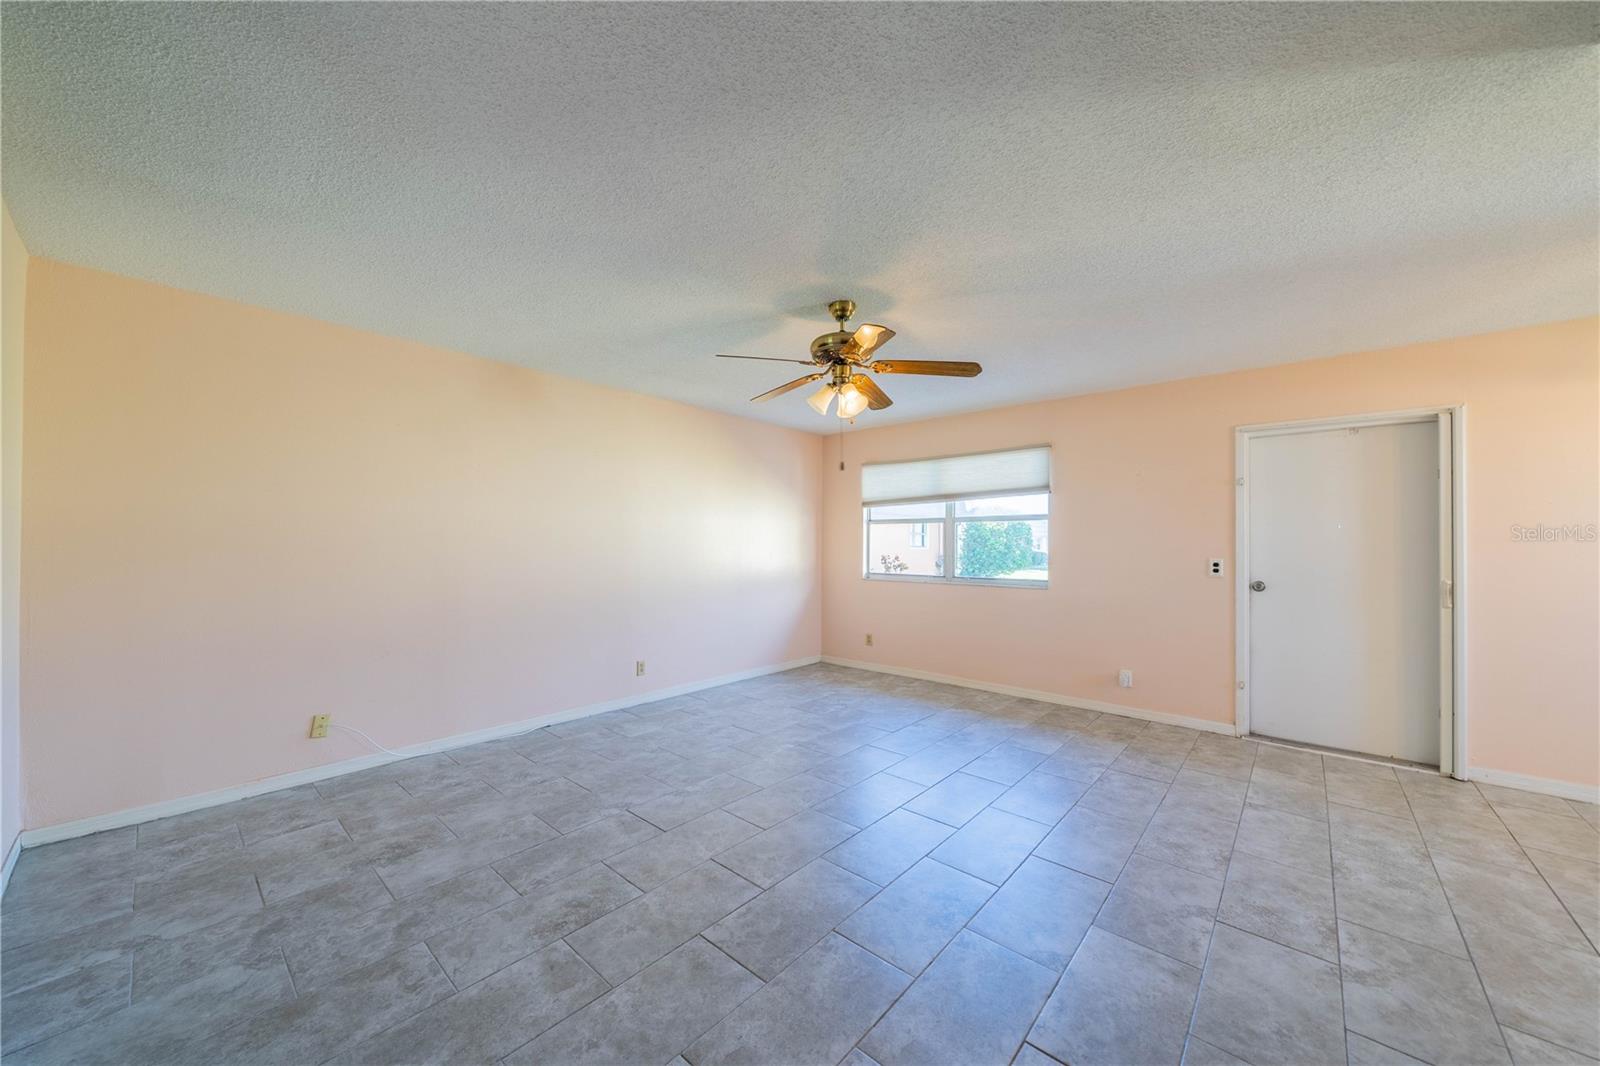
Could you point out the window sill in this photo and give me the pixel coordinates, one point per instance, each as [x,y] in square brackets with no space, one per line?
[922,579]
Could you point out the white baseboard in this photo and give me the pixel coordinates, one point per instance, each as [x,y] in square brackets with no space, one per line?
[1203,724]
[167,808]
[11,863]
[182,805]
[1525,782]
[1545,786]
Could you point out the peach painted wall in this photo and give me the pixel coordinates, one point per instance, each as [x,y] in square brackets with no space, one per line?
[14,284]
[1144,495]
[236,518]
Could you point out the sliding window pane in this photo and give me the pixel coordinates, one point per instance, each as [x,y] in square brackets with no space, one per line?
[933,512]
[910,549]
[992,550]
[1036,504]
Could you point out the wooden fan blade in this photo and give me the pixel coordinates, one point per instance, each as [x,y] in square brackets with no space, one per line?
[781,389]
[767,359]
[936,367]
[877,399]
[868,338]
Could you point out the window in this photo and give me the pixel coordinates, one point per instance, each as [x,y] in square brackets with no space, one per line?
[989,513]
[902,540]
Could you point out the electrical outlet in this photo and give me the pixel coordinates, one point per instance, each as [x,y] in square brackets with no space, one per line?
[869,640]
[319,726]
[1215,569]
[1125,678]
[638,668]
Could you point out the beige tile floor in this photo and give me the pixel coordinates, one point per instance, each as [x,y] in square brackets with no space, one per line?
[824,866]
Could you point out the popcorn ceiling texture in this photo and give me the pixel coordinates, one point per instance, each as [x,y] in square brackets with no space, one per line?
[1081,196]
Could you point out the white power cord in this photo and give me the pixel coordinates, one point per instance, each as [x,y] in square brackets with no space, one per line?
[374,743]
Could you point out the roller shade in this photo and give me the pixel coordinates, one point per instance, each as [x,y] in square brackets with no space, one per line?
[957,477]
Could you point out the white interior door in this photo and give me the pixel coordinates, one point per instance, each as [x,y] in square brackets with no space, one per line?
[1345,598]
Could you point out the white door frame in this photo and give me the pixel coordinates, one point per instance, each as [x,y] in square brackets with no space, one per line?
[1452,540]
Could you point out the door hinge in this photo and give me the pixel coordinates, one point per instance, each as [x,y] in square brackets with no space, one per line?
[1447,594]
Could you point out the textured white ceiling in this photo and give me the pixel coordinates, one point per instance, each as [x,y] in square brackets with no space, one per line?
[1081,196]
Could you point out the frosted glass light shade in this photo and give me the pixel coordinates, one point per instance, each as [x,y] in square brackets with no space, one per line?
[820,399]
[852,401]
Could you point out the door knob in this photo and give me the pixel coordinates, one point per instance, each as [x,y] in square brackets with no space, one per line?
[1258,586]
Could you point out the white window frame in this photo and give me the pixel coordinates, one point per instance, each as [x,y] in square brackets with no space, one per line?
[922,533]
[949,543]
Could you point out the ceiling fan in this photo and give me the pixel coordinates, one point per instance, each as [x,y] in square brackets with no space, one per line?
[844,357]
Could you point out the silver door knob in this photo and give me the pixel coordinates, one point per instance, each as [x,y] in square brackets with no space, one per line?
[1258,586]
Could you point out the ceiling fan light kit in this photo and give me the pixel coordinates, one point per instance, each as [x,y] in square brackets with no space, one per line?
[821,399]
[852,401]
[842,355]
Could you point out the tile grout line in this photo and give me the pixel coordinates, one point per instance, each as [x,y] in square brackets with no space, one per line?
[454,989]
[721,951]
[1333,885]
[1555,1043]
[760,984]
[284,955]
[996,736]
[1380,1043]
[1205,961]
[1539,872]
[1402,939]
[1062,976]
[964,927]
[1454,918]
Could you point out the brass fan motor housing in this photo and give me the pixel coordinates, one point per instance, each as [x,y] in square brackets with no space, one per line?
[829,346]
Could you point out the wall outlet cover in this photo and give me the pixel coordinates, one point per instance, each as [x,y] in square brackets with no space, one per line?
[319,726]
[869,640]
[638,668]
[1125,678]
